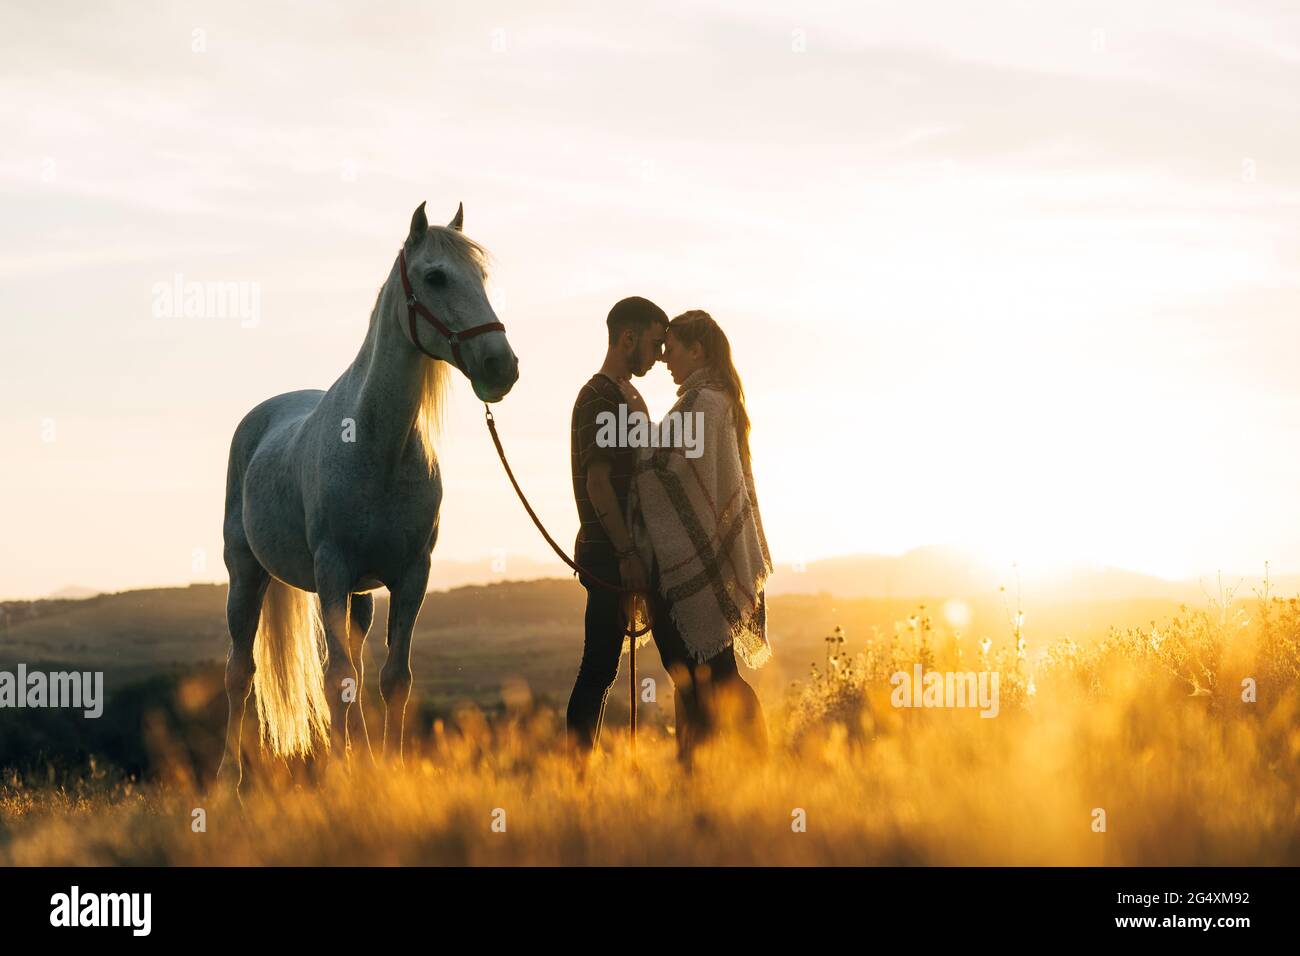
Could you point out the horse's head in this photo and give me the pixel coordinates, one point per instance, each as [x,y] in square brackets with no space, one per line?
[446,271]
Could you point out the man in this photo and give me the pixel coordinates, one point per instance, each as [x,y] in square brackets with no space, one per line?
[602,477]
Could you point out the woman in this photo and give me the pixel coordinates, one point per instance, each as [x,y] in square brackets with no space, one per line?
[696,525]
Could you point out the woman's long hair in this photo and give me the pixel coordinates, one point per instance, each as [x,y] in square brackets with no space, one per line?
[698,326]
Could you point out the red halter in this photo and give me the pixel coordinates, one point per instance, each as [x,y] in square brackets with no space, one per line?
[453,337]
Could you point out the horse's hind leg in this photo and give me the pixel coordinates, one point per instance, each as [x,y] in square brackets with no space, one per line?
[361,614]
[341,675]
[248,581]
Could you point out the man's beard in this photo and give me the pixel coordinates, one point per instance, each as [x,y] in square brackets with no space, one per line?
[642,366]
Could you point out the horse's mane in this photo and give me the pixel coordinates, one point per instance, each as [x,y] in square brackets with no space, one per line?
[433,405]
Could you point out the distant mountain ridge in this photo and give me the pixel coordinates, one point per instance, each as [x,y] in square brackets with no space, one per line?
[951,572]
[470,639]
[930,571]
[922,572]
[72,592]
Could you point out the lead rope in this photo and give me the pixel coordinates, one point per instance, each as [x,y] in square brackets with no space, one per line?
[632,597]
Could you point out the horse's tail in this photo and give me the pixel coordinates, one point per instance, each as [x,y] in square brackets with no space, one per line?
[289,675]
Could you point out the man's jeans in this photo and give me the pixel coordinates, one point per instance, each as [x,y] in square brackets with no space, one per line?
[603,647]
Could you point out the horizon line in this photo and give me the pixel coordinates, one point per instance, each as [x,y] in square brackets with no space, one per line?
[1053,568]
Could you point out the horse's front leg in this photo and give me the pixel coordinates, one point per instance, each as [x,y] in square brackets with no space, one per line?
[334,586]
[395,678]
[361,612]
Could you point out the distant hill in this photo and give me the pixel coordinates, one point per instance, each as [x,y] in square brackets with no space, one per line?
[935,570]
[72,593]
[955,573]
[469,640]
[444,575]
[921,572]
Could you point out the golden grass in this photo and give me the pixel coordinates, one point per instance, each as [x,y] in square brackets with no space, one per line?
[1149,726]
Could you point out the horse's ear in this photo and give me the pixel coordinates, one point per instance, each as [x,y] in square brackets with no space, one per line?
[458,220]
[419,226]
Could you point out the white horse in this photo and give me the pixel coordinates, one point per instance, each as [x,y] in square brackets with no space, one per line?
[337,493]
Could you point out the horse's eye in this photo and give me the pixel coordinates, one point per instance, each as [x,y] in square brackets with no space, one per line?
[436,278]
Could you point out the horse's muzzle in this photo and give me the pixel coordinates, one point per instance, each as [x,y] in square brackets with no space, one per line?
[496,376]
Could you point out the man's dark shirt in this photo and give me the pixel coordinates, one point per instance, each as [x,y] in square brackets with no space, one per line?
[601,394]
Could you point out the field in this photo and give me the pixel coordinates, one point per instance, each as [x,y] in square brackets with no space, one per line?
[1140,746]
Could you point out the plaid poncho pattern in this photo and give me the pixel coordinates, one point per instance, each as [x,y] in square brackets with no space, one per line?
[698,518]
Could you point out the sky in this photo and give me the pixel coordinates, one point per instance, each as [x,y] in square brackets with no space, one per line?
[1016,277]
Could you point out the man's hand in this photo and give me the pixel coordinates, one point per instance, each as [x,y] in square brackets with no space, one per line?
[633,574]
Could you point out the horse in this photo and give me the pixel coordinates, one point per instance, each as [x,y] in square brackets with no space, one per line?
[336,493]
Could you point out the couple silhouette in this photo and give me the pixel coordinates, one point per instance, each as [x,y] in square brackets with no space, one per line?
[674,520]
